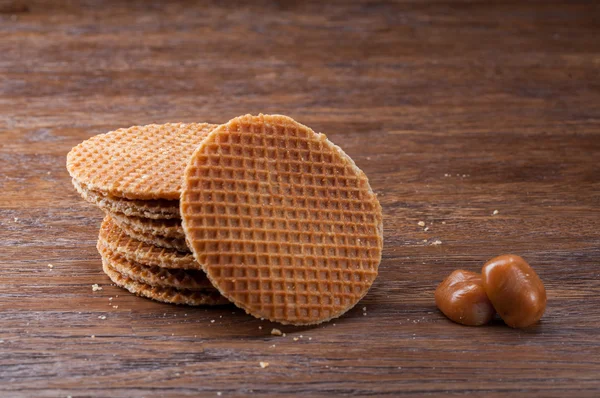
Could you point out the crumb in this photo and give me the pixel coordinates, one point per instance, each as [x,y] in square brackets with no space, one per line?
[219,393]
[263,364]
[273,346]
[296,339]
[424,240]
[364,314]
[117,296]
[184,314]
[50,266]
[110,299]
[495,212]
[364,308]
[310,338]
[276,332]
[284,335]
[16,219]
[260,328]
[212,321]
[115,306]
[426,229]
[93,336]
[421,223]
[102,317]
[444,222]
[368,158]
[436,242]
[95,287]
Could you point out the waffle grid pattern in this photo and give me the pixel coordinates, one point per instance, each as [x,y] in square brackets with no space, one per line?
[140,162]
[283,222]
[135,250]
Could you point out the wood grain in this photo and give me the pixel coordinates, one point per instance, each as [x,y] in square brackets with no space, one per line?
[453,109]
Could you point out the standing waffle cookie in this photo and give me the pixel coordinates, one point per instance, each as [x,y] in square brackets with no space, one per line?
[283,222]
[115,239]
[140,162]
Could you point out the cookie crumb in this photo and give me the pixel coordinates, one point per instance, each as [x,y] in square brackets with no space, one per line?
[276,332]
[436,242]
[260,328]
[115,306]
[495,212]
[50,266]
[212,321]
[16,219]
[296,339]
[421,223]
[95,287]
[426,229]
[219,393]
[93,336]
[263,364]
[102,317]
[444,222]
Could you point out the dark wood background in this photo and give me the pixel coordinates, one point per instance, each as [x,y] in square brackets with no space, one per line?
[453,109]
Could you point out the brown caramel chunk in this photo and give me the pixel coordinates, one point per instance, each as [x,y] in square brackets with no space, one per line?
[461,298]
[515,290]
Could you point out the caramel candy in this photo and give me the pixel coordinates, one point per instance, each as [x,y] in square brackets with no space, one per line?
[461,298]
[515,290]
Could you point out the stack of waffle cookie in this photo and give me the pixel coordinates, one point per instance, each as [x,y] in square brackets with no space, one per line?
[260,211]
[134,175]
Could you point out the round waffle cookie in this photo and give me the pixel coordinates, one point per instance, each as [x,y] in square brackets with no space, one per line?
[140,162]
[167,228]
[155,276]
[152,239]
[155,209]
[115,239]
[163,294]
[283,222]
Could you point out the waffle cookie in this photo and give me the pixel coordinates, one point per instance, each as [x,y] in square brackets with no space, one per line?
[140,162]
[282,221]
[178,244]
[163,294]
[113,237]
[154,209]
[166,228]
[153,275]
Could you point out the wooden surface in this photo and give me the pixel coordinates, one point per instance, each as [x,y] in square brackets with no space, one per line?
[453,109]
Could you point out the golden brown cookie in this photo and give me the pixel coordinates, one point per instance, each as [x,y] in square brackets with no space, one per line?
[135,250]
[140,162]
[154,275]
[155,209]
[170,228]
[283,222]
[163,294]
[153,239]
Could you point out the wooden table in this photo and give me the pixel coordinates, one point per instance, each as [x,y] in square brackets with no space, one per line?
[453,109]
